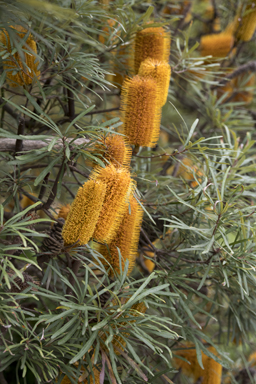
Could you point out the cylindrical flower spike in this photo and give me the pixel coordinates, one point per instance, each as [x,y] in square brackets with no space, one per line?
[247,25]
[118,187]
[217,45]
[151,42]
[64,211]
[84,213]
[125,242]
[141,112]
[212,370]
[161,72]
[243,87]
[85,381]
[115,150]
[26,68]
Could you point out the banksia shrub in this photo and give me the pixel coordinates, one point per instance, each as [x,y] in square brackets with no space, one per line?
[118,187]
[161,72]
[84,213]
[126,239]
[217,45]
[247,26]
[26,69]
[141,113]
[151,43]
[115,150]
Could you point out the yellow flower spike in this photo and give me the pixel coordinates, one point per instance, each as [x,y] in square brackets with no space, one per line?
[64,211]
[25,73]
[85,381]
[217,45]
[84,213]
[212,369]
[115,150]
[151,42]
[240,82]
[190,368]
[118,187]
[126,239]
[252,359]
[141,112]
[247,26]
[161,72]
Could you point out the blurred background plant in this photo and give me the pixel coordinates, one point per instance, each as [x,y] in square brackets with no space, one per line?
[75,309]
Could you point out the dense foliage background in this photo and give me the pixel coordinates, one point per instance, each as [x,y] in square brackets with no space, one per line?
[197,189]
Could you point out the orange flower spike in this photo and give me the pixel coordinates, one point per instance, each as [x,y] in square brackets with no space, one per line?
[212,370]
[126,238]
[161,72]
[141,112]
[152,43]
[64,211]
[244,95]
[25,73]
[115,150]
[247,26]
[118,186]
[84,213]
[217,45]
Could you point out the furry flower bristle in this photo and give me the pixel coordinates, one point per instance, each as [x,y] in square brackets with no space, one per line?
[152,43]
[140,111]
[118,187]
[125,240]
[84,213]
[64,211]
[115,150]
[161,72]
[14,62]
[247,25]
[217,45]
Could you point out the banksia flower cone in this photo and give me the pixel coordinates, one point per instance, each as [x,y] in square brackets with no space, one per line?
[217,45]
[115,150]
[248,24]
[84,213]
[240,82]
[64,211]
[118,186]
[126,239]
[86,381]
[141,112]
[25,73]
[161,72]
[151,43]
[212,370]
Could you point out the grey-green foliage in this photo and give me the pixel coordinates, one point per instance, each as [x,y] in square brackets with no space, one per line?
[199,213]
